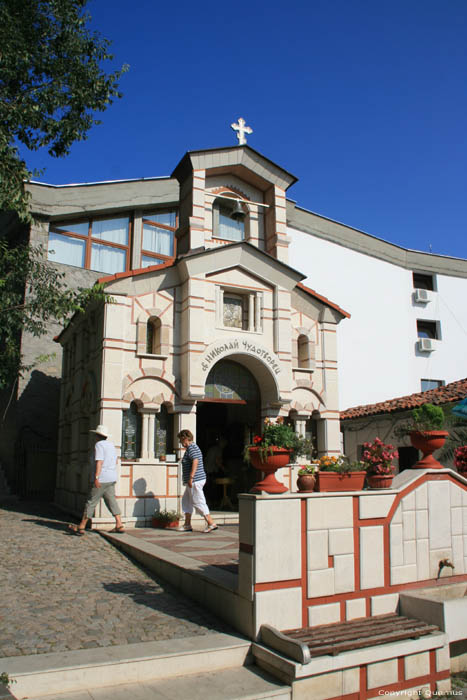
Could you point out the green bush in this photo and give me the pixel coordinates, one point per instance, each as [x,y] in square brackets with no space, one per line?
[428,417]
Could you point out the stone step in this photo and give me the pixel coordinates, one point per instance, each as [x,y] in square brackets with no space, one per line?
[246,683]
[72,671]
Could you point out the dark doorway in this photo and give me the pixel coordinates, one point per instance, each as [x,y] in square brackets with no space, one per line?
[226,421]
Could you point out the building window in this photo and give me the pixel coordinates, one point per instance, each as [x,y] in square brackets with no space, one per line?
[131,433]
[428,329]
[158,244]
[422,281]
[223,225]
[101,244]
[163,432]
[428,384]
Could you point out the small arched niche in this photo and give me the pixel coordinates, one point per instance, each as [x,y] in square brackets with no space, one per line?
[153,336]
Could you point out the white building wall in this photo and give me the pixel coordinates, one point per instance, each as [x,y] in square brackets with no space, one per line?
[377,347]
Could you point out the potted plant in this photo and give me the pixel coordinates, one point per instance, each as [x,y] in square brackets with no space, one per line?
[166,519]
[377,461]
[427,434]
[278,445]
[339,474]
[460,460]
[306,479]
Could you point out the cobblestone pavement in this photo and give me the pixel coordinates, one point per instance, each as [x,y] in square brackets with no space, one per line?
[60,592]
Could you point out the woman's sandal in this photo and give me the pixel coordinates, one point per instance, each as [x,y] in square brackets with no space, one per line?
[75,530]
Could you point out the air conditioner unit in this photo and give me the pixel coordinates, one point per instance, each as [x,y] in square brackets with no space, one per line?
[421,296]
[426,344]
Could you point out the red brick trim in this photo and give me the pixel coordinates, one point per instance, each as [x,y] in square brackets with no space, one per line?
[304,552]
[277,585]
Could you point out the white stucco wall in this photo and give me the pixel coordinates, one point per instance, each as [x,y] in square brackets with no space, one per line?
[377,355]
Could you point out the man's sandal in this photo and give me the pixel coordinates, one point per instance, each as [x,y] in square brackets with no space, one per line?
[75,530]
[120,529]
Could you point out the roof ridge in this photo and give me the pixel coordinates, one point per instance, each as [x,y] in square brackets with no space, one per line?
[454,391]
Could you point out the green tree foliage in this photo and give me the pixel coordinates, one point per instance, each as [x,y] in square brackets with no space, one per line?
[51,85]
[32,294]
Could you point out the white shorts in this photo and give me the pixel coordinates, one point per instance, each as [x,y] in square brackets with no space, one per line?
[194,499]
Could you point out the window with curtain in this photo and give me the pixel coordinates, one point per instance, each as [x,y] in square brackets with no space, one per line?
[99,244]
[158,243]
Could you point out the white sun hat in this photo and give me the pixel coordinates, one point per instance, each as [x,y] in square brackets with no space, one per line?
[101,430]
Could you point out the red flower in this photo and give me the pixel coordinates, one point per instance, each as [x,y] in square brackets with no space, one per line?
[257,439]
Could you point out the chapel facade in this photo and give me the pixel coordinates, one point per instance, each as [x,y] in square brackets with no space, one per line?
[213,332]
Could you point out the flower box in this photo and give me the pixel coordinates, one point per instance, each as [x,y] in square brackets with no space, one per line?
[334,481]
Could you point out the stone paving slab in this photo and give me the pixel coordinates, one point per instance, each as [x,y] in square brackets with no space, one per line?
[61,592]
[218,548]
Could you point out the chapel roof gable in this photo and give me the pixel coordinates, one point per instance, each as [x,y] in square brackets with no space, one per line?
[237,160]
[241,254]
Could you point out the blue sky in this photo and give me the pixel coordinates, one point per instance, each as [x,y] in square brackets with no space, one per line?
[363,100]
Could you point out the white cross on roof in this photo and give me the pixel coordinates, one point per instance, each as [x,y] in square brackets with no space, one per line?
[241,130]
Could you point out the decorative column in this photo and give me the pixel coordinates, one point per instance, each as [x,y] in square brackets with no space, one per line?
[151,434]
[251,312]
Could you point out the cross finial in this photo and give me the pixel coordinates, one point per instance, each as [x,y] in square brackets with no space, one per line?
[241,130]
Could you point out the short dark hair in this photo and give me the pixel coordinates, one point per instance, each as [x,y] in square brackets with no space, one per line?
[185,434]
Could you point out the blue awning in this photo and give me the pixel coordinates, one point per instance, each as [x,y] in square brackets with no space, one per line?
[461,409]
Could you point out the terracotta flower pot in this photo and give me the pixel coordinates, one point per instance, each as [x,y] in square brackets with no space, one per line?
[379,481]
[427,442]
[164,524]
[333,481]
[306,482]
[272,462]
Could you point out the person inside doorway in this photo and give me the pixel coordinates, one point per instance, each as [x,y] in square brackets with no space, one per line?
[194,479]
[104,480]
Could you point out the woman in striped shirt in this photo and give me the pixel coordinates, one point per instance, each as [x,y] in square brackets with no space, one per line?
[194,478]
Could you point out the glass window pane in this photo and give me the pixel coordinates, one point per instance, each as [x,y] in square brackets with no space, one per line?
[112,230]
[229,229]
[82,228]
[158,240]
[168,218]
[107,259]
[147,261]
[65,249]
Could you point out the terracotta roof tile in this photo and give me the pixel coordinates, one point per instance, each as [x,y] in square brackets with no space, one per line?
[323,299]
[455,391]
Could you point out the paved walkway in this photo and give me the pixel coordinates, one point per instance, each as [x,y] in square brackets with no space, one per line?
[218,548]
[60,592]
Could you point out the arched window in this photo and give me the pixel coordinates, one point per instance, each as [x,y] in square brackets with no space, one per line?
[163,432]
[303,351]
[153,336]
[131,433]
[228,219]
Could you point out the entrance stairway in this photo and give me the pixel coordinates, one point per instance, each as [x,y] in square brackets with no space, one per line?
[214,667]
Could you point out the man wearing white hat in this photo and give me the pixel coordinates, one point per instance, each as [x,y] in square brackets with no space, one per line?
[105,478]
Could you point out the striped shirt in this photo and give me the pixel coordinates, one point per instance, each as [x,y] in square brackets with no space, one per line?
[193,452]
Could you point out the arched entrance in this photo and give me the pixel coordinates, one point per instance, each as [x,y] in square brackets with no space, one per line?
[226,420]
